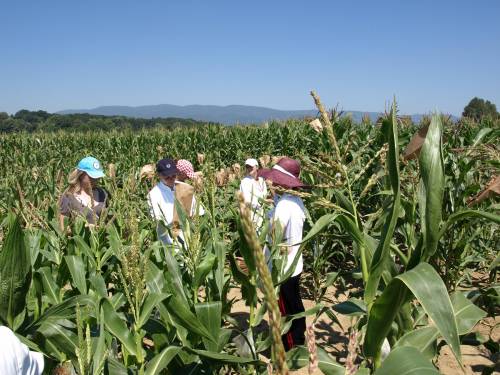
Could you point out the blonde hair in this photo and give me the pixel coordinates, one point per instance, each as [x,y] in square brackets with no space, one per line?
[74,186]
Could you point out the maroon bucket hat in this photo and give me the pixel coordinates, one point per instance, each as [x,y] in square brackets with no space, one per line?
[285,174]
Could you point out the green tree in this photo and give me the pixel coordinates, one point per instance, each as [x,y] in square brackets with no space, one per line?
[479,108]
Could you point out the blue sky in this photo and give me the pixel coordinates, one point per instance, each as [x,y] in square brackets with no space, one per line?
[433,55]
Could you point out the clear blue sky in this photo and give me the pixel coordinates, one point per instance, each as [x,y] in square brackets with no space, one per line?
[61,54]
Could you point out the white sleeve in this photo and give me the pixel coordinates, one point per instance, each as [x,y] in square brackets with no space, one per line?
[161,211]
[246,189]
[153,207]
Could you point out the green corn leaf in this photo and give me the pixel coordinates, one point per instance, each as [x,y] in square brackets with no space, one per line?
[426,285]
[15,274]
[50,288]
[382,254]
[210,315]
[161,360]
[99,356]
[63,310]
[203,269]
[77,270]
[406,360]
[222,357]
[152,300]
[118,328]
[467,214]
[423,339]
[64,339]
[351,307]
[466,313]
[183,316]
[432,170]
[174,274]
[320,224]
[299,357]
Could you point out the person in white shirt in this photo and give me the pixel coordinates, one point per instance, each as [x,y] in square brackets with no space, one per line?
[289,213]
[16,358]
[161,199]
[254,191]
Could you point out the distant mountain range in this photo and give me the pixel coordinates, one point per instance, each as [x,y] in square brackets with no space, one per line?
[231,114]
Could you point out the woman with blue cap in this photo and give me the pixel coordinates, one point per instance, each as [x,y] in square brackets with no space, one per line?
[83,197]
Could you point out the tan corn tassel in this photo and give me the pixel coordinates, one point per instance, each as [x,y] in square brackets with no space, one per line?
[267,287]
[147,172]
[311,348]
[264,161]
[220,177]
[383,150]
[236,168]
[201,158]
[276,159]
[316,125]
[231,177]
[112,171]
[328,124]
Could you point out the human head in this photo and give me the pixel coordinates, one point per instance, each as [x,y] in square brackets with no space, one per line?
[252,167]
[167,171]
[284,174]
[85,176]
[186,170]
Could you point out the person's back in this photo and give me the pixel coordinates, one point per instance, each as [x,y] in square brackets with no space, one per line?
[290,213]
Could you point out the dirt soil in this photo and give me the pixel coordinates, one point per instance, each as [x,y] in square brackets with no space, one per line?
[335,339]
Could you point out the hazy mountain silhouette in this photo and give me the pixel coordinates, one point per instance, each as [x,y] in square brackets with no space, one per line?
[231,114]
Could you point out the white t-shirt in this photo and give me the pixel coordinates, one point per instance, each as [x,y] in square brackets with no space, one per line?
[16,358]
[161,207]
[254,191]
[290,212]
[161,200]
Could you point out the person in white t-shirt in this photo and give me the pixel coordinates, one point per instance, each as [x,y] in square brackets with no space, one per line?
[289,212]
[254,191]
[16,358]
[161,199]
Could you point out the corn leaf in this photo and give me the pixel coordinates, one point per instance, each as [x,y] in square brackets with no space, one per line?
[116,326]
[426,285]
[15,274]
[432,170]
[77,270]
[161,360]
[383,251]
[406,360]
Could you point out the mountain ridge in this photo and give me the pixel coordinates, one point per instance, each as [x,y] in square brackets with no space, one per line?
[229,114]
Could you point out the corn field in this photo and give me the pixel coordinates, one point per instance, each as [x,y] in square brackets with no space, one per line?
[411,224]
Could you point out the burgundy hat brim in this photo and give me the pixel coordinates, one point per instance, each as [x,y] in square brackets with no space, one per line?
[281,179]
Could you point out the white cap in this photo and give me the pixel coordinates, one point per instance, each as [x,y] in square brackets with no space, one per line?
[252,162]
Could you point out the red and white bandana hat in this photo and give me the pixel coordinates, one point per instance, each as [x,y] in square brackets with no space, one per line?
[185,167]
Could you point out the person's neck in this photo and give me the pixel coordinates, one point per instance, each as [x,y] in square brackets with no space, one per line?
[167,186]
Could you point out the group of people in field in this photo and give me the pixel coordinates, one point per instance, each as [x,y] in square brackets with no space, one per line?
[84,198]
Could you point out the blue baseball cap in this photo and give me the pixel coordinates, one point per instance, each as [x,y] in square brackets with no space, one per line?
[91,166]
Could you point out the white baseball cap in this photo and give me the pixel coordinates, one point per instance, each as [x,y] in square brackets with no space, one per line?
[252,162]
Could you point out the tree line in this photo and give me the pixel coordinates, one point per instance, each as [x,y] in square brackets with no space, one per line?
[31,121]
